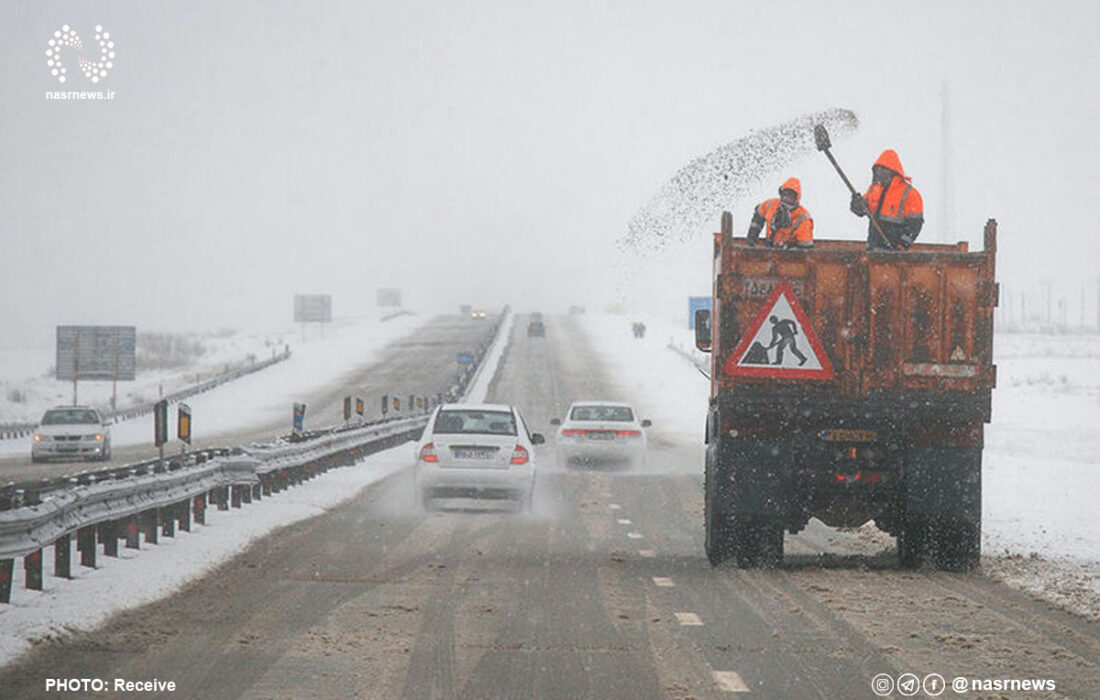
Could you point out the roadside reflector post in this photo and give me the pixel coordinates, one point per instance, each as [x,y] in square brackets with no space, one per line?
[167,523]
[32,568]
[183,515]
[133,534]
[7,566]
[63,557]
[108,536]
[199,510]
[151,525]
[85,543]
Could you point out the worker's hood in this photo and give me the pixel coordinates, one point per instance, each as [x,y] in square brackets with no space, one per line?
[792,184]
[889,159]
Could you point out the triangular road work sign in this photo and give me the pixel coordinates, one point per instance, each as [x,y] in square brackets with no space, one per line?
[780,342]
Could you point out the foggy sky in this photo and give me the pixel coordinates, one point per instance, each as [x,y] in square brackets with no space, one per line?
[493,152]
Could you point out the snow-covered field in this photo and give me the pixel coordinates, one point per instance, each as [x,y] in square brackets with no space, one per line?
[261,397]
[1042,466]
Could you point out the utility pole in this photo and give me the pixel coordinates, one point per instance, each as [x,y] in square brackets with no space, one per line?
[947,206]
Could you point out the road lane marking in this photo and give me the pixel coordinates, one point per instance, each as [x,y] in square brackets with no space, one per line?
[648,553]
[689,619]
[624,521]
[663,581]
[730,682]
[635,535]
[614,506]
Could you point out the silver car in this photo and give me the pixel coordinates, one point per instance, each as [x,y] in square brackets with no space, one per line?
[476,451]
[71,432]
[601,432]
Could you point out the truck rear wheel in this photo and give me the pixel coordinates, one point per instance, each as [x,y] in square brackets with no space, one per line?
[719,540]
[759,543]
[912,544]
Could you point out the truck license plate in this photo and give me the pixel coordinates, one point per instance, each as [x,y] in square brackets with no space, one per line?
[760,287]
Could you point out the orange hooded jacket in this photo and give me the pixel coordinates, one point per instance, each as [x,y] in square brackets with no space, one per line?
[800,232]
[899,207]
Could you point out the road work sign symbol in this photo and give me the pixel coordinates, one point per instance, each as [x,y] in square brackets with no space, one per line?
[780,342]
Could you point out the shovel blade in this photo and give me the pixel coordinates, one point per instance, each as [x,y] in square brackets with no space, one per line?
[821,136]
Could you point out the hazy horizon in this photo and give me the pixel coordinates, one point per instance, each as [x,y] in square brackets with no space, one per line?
[491,153]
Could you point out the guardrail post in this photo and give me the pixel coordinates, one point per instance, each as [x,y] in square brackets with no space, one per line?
[257,492]
[183,515]
[133,534]
[7,566]
[167,524]
[246,493]
[265,484]
[151,525]
[85,542]
[108,535]
[32,568]
[63,557]
[223,498]
[236,496]
[199,509]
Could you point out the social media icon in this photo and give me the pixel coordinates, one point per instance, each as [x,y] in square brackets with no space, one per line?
[908,685]
[934,684]
[959,685]
[882,684]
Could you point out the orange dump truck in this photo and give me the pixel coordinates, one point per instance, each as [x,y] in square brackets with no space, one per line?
[848,385]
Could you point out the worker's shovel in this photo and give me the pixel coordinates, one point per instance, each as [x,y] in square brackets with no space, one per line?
[821,137]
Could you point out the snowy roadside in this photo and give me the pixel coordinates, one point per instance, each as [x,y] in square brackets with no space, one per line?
[259,398]
[1041,467]
[138,577]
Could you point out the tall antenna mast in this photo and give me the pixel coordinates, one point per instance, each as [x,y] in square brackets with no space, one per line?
[947,204]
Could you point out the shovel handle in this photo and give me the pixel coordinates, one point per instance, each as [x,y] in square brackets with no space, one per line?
[870,215]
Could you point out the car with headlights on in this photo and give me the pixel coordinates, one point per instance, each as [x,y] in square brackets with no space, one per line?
[482,451]
[601,432]
[71,432]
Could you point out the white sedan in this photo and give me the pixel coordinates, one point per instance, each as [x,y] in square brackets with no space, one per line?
[595,432]
[476,451]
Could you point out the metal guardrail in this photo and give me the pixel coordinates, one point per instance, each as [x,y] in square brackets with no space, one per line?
[12,431]
[153,498]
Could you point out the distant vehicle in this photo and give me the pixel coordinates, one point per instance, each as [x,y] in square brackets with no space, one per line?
[476,451]
[465,310]
[536,315]
[478,313]
[71,432]
[576,310]
[536,329]
[601,432]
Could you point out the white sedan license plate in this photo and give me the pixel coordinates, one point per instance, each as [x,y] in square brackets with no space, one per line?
[602,435]
[473,453]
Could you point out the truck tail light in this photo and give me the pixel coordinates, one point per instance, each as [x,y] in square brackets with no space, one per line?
[629,433]
[519,455]
[572,432]
[37,437]
[427,453]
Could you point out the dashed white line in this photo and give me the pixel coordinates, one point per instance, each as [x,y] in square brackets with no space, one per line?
[635,535]
[647,553]
[689,619]
[663,581]
[624,521]
[614,506]
[730,682]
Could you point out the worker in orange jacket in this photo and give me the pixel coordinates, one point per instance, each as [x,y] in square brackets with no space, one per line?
[894,202]
[788,223]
